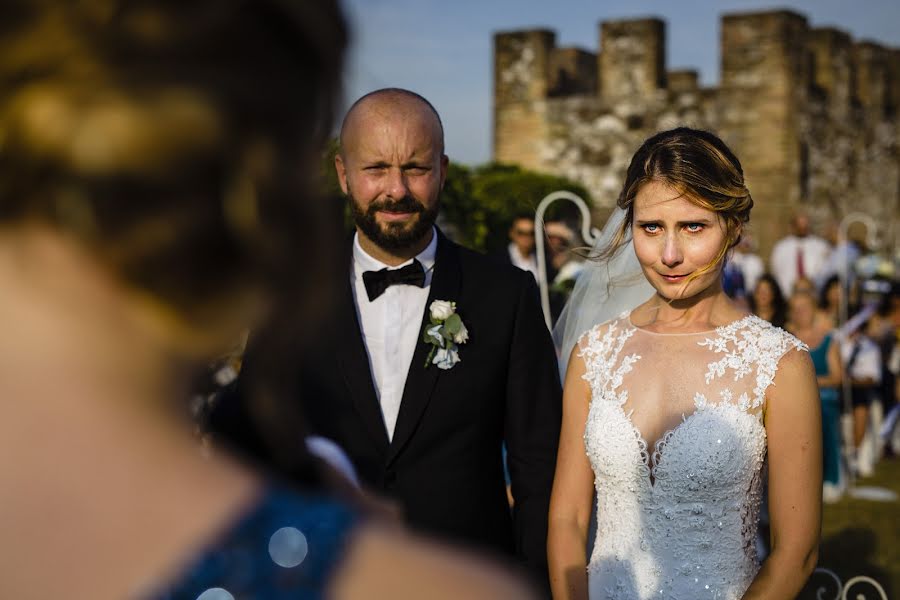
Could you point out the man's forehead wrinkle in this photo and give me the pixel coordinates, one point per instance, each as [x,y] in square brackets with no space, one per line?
[376,147]
[385,140]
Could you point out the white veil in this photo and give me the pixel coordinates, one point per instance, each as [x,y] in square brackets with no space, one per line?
[604,290]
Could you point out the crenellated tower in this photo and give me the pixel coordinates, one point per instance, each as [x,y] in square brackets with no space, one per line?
[811,113]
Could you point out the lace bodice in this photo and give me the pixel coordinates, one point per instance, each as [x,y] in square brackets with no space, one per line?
[677,517]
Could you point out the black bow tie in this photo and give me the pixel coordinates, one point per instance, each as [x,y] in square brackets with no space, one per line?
[378,281]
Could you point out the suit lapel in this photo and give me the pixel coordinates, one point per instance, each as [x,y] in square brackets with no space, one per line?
[353,364]
[420,380]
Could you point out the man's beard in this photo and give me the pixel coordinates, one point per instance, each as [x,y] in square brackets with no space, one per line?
[394,236]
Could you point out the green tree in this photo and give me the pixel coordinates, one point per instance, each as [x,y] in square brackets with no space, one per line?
[481,203]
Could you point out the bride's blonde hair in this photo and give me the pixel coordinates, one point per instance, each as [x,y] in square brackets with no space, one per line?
[702,168]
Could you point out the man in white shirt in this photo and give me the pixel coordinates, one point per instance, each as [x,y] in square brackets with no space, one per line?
[800,254]
[521,244]
[423,426]
[432,435]
[520,253]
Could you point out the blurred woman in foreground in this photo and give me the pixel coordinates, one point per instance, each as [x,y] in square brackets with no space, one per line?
[153,202]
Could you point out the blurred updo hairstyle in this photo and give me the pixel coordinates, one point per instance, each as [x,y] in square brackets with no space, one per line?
[177,141]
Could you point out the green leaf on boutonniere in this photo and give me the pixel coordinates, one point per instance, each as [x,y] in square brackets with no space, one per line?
[453,324]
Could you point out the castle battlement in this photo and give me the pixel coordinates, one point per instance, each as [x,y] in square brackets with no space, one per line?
[811,112]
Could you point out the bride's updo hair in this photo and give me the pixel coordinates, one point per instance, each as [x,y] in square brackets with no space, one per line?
[178,142]
[701,167]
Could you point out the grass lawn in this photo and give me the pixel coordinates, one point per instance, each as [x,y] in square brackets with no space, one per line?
[862,537]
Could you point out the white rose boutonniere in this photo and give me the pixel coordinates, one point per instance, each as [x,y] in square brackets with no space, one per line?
[441,310]
[444,334]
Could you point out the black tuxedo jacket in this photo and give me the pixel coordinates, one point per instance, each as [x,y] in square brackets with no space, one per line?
[444,464]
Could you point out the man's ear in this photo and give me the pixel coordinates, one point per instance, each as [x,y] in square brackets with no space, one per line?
[341,170]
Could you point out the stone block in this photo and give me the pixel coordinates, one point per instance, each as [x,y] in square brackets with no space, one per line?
[632,58]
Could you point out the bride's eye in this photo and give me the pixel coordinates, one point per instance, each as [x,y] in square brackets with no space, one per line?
[650,227]
[694,227]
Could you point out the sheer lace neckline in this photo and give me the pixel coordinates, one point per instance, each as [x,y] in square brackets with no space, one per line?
[677,442]
[715,330]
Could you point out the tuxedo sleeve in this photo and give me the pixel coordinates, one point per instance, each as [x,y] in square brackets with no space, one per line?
[533,417]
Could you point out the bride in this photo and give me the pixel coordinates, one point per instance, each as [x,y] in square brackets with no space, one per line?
[675,411]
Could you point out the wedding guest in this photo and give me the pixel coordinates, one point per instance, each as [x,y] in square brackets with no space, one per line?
[560,243]
[435,358]
[767,301]
[564,261]
[800,254]
[885,335]
[152,184]
[742,270]
[520,252]
[830,302]
[889,327]
[803,285]
[862,364]
[752,267]
[824,350]
[733,282]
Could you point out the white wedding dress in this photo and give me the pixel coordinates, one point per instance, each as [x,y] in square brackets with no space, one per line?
[677,518]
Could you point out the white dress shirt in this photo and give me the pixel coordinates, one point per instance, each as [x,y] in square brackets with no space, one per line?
[390,326]
[784,259]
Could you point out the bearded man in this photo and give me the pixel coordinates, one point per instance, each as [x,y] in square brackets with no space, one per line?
[437,357]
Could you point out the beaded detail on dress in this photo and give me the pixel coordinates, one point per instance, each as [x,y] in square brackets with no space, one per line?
[677,518]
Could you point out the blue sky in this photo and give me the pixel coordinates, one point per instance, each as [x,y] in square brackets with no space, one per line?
[443,48]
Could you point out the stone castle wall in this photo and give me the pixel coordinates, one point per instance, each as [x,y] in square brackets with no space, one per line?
[811,113]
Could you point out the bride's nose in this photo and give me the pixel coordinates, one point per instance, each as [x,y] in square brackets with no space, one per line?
[671,255]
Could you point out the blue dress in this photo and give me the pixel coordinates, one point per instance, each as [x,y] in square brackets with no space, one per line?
[831,415]
[286,546]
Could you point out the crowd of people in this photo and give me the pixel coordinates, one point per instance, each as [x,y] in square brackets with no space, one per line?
[827,293]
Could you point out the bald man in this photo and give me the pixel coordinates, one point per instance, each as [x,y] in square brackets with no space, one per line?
[427,429]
